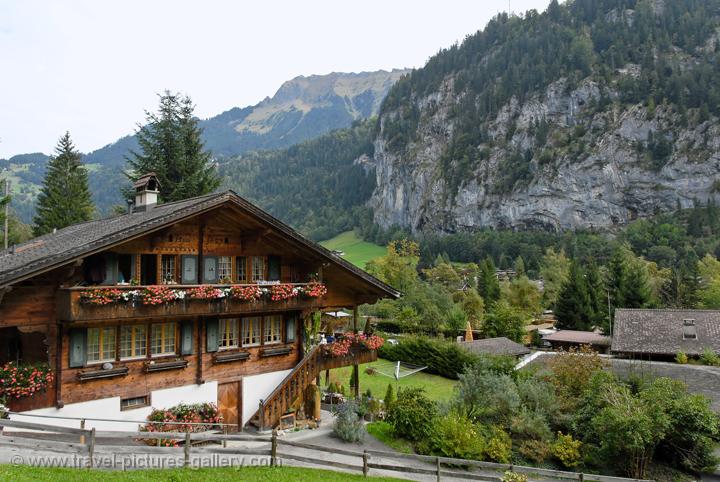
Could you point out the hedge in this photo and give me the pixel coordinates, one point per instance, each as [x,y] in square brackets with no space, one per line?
[441,357]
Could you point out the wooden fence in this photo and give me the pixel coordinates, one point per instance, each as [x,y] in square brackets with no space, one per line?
[273,447]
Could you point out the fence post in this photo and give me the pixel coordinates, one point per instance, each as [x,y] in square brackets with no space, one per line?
[273,449]
[158,441]
[582,477]
[225,431]
[261,416]
[187,449]
[366,469]
[91,447]
[82,426]
[437,462]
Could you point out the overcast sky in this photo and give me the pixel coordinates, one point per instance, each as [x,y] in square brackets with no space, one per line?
[93,67]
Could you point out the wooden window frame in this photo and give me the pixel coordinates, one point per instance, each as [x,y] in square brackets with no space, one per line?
[241,278]
[163,340]
[134,407]
[223,323]
[101,331]
[219,270]
[259,332]
[176,261]
[279,332]
[252,269]
[134,338]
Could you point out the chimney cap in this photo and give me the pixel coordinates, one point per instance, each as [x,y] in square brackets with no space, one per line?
[147,182]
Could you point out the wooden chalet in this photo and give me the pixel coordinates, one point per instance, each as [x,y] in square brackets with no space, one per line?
[201,300]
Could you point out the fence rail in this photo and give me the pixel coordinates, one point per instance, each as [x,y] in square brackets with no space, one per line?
[273,447]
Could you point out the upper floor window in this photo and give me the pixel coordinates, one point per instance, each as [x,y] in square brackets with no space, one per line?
[162,339]
[169,268]
[271,329]
[228,333]
[251,331]
[133,341]
[258,268]
[101,344]
[225,269]
[241,269]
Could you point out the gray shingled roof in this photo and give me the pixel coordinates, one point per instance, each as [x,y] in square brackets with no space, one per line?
[496,346]
[579,337]
[68,244]
[660,332]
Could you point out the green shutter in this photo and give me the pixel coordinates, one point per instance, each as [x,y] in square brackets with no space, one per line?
[210,269]
[290,328]
[78,339]
[189,270]
[212,335]
[186,345]
[273,268]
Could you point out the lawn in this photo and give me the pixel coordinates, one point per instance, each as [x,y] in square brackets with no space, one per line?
[246,474]
[437,388]
[357,251]
[383,432]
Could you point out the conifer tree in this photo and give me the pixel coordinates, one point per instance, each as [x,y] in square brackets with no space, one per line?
[574,306]
[488,284]
[171,147]
[65,196]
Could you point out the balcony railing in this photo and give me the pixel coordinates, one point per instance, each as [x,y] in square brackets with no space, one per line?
[91,303]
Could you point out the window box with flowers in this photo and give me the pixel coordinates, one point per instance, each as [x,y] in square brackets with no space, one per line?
[24,380]
[197,417]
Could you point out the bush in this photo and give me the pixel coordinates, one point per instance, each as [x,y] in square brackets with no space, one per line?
[710,358]
[389,397]
[567,450]
[186,414]
[412,414]
[348,425]
[455,436]
[535,451]
[486,397]
[444,358]
[681,358]
[498,446]
[511,476]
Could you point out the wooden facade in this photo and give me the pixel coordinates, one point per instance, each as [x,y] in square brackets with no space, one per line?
[128,349]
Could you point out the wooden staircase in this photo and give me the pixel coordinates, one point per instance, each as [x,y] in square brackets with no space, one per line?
[285,395]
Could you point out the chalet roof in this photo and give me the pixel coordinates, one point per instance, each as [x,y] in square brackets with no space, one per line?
[578,337]
[79,240]
[660,332]
[496,346]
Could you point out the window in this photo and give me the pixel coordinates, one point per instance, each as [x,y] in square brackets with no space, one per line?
[251,331]
[228,333]
[168,268]
[133,343]
[101,344]
[271,329]
[162,339]
[148,269]
[241,269]
[134,402]
[258,269]
[225,269]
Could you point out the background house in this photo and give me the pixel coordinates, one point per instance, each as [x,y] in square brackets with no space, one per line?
[496,346]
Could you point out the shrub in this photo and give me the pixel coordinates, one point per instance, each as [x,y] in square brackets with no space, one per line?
[389,397]
[529,424]
[681,358]
[511,476]
[498,446]
[443,358]
[567,450]
[348,425]
[187,415]
[535,451]
[456,436]
[412,414]
[486,397]
[710,358]
[572,371]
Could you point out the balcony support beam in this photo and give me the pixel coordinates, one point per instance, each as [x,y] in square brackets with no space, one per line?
[356,367]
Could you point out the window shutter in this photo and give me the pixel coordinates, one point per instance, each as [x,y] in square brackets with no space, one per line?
[210,269]
[186,345]
[189,270]
[290,328]
[212,335]
[273,268]
[111,269]
[77,347]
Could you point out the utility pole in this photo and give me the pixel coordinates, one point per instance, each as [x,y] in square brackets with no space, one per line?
[7,211]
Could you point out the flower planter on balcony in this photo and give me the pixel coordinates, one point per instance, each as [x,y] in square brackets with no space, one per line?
[231,356]
[357,355]
[100,373]
[279,351]
[165,365]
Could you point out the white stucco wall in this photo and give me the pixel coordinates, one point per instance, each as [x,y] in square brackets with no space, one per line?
[109,408]
[258,387]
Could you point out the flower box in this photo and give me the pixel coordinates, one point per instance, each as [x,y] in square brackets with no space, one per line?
[232,356]
[98,374]
[283,350]
[165,365]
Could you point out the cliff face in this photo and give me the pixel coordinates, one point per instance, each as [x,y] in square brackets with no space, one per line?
[582,151]
[614,180]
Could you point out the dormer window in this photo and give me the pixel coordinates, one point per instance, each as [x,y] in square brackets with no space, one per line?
[689,331]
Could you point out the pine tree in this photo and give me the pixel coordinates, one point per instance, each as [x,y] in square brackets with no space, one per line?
[65,196]
[488,284]
[171,147]
[3,201]
[598,294]
[636,291]
[574,305]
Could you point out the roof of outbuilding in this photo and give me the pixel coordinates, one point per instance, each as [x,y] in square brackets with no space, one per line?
[68,244]
[660,332]
[496,346]
[579,337]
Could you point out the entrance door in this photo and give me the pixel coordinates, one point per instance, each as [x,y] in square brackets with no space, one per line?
[229,403]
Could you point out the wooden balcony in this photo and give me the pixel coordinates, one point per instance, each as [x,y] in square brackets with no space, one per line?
[127,302]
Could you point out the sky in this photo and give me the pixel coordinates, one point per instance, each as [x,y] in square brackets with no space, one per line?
[94,66]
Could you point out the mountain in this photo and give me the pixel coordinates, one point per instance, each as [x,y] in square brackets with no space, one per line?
[588,115]
[303,108]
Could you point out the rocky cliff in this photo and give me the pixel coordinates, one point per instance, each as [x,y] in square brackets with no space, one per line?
[588,149]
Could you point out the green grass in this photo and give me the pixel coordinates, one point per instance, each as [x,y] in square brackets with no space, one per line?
[437,388]
[383,432]
[357,251]
[246,474]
